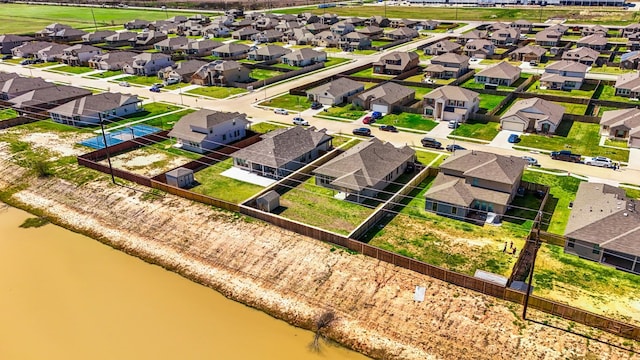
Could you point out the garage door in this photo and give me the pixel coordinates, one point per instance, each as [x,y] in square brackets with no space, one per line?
[382,108]
[513,126]
[634,142]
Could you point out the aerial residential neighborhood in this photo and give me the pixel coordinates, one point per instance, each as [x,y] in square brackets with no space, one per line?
[497,154]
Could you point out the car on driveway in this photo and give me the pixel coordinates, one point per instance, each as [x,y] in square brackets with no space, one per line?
[281,111]
[316,106]
[300,121]
[362,131]
[513,138]
[376,115]
[530,161]
[454,147]
[600,161]
[453,124]
[368,120]
[389,128]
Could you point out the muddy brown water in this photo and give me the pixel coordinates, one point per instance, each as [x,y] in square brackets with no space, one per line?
[66,296]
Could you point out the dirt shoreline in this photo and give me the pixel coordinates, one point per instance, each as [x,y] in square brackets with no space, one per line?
[296,278]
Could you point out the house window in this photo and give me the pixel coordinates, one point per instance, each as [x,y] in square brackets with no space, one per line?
[224,137]
[596,249]
[454,210]
[434,206]
[571,243]
[474,182]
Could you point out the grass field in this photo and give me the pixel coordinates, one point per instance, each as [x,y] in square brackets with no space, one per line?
[368,73]
[409,121]
[489,102]
[7,114]
[617,143]
[265,127]
[213,184]
[609,70]
[216,91]
[570,108]
[289,102]
[581,138]
[72,69]
[24,19]
[477,130]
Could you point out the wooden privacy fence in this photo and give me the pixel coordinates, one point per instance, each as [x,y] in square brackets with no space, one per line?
[21,120]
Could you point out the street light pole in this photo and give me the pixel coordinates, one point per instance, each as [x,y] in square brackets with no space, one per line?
[106,148]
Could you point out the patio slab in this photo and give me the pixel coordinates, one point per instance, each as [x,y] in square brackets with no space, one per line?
[248,177]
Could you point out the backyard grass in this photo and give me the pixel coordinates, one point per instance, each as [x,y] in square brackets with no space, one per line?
[580,138]
[315,205]
[477,130]
[140,80]
[489,102]
[496,61]
[364,51]
[409,121]
[7,114]
[602,109]
[167,147]
[148,110]
[348,111]
[289,102]
[570,108]
[421,91]
[604,69]
[72,69]
[334,61]
[562,191]
[216,91]
[426,157]
[166,122]
[586,91]
[585,284]
[631,193]
[608,92]
[218,186]
[456,245]
[285,66]
[262,74]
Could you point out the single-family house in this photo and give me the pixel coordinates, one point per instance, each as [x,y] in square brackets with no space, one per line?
[122,38]
[180,72]
[171,45]
[472,184]
[136,24]
[604,226]
[7,76]
[29,49]
[200,48]
[79,55]
[628,85]
[342,28]
[326,39]
[147,38]
[533,114]
[630,60]
[52,52]
[244,33]
[396,62]
[365,169]
[622,124]
[216,30]
[548,37]
[93,109]
[13,87]
[524,26]
[442,47]
[267,53]
[447,66]
[378,20]
[180,177]
[505,36]
[265,23]
[528,53]
[221,73]
[629,30]
[283,151]
[298,37]
[40,99]
[595,42]
[398,23]
[479,49]
[114,60]
[148,64]
[10,41]
[268,36]
[60,33]
[448,103]
[595,29]
[427,25]
[233,13]
[242,23]
[303,57]
[97,36]
[403,33]
[583,55]
[335,92]
[385,98]
[354,41]
[317,28]
[355,21]
[502,74]
[564,75]
[205,130]
[285,26]
[471,35]
[231,51]
[372,31]
[191,28]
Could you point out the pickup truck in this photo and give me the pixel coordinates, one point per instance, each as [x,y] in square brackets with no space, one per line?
[599,161]
[565,155]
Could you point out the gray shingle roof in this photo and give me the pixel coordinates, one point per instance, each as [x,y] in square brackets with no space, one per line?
[629,81]
[48,95]
[629,118]
[537,109]
[204,118]
[452,93]
[502,70]
[23,84]
[337,87]
[485,165]
[389,92]
[454,190]
[90,105]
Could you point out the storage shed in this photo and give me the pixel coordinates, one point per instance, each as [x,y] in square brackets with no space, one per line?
[180,177]
[269,201]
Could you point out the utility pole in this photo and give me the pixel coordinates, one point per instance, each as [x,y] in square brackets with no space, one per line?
[94,19]
[533,264]
[106,148]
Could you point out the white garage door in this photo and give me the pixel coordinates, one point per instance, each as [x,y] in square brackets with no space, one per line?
[634,142]
[382,108]
[513,126]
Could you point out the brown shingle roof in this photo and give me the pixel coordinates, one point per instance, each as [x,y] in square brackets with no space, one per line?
[502,70]
[485,165]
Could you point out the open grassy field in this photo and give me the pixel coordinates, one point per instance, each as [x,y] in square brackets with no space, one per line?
[218,186]
[579,15]
[585,284]
[409,121]
[29,18]
[449,243]
[477,130]
[289,102]
[581,138]
[216,91]
[315,205]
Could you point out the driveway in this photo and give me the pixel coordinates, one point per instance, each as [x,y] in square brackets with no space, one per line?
[500,141]
[634,159]
[441,131]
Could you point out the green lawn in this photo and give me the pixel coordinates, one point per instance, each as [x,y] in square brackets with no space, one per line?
[409,121]
[216,91]
[452,244]
[609,70]
[473,85]
[581,138]
[421,91]
[426,157]
[213,184]
[608,92]
[364,51]
[617,143]
[261,74]
[562,191]
[477,130]
[570,108]
[106,74]
[149,110]
[348,111]
[140,80]
[265,127]
[315,205]
[368,73]
[285,66]
[489,102]
[6,114]
[166,122]
[602,109]
[43,65]
[586,91]
[289,102]
[334,61]
[72,69]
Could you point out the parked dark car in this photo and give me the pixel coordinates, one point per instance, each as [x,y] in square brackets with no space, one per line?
[389,128]
[454,147]
[431,142]
[513,138]
[154,89]
[566,155]
[7,56]
[316,105]
[27,62]
[362,131]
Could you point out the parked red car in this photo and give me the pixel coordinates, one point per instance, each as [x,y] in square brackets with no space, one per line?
[368,120]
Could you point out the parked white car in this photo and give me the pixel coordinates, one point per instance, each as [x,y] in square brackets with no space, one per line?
[124,83]
[600,161]
[281,111]
[530,161]
[300,121]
